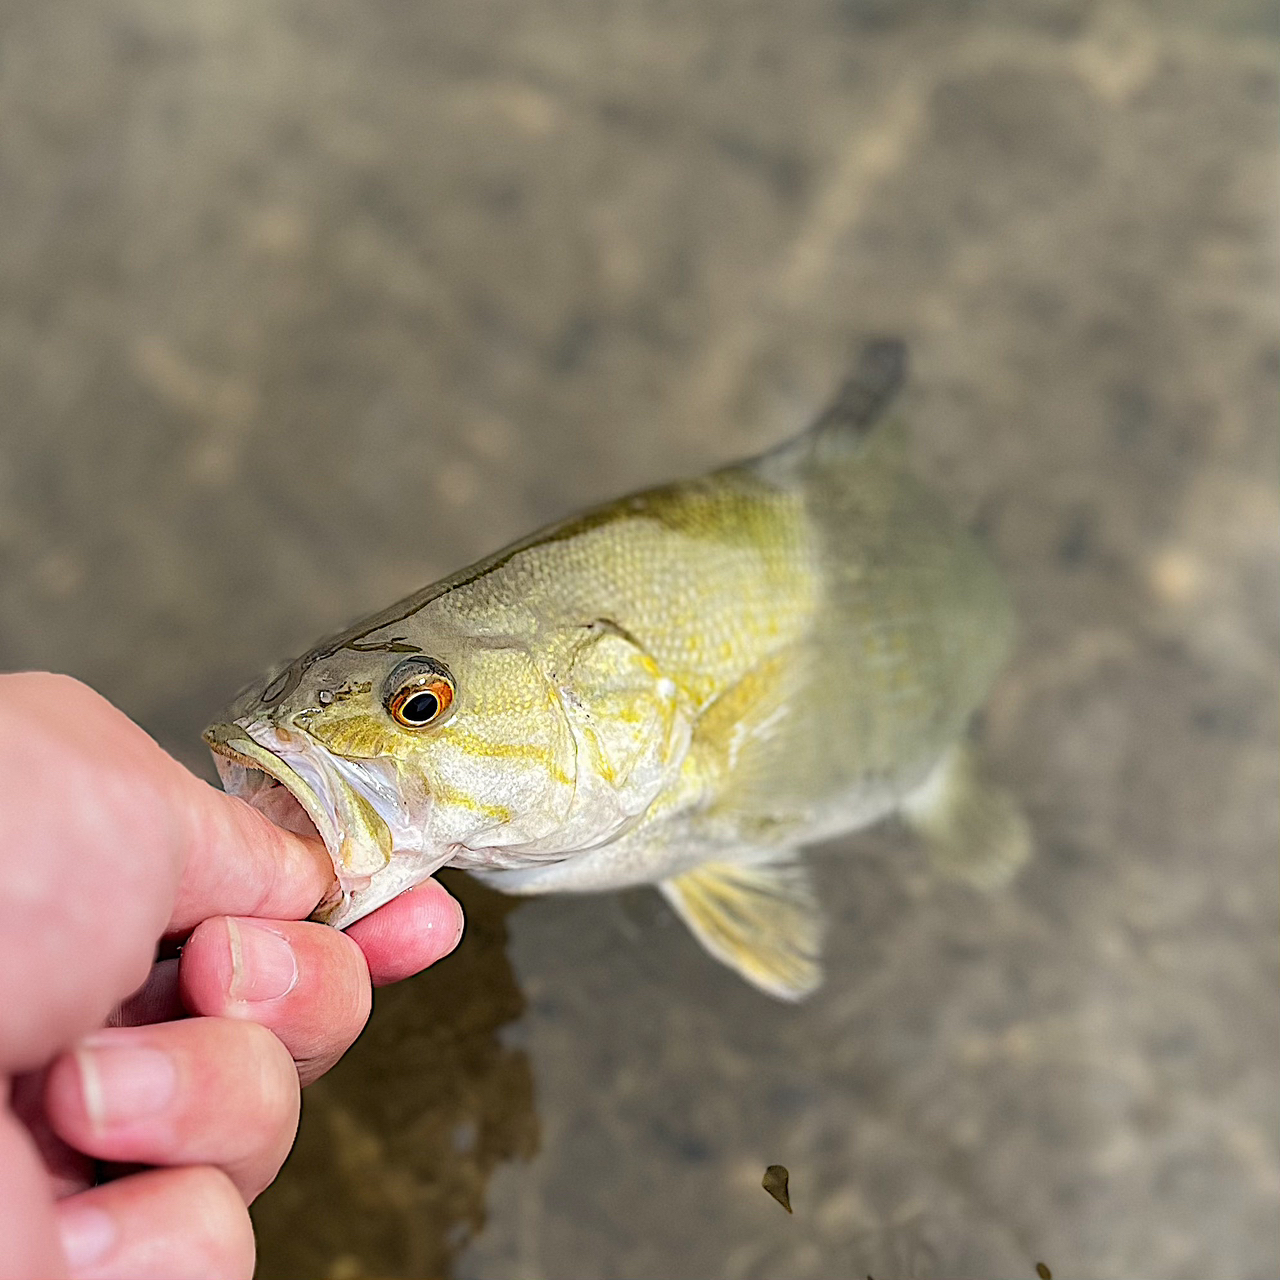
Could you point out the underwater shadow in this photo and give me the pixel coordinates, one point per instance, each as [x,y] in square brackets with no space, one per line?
[399,1140]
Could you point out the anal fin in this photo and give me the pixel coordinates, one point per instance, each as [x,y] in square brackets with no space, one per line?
[975,830]
[761,919]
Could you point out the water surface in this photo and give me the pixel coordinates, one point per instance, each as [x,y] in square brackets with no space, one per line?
[304,305]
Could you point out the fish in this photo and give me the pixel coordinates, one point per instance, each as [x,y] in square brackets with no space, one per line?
[682,688]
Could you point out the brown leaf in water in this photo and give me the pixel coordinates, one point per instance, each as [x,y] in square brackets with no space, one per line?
[775,1182]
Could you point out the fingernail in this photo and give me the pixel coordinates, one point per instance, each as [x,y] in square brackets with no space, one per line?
[122,1083]
[88,1235]
[263,966]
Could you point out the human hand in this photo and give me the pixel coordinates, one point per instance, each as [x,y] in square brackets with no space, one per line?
[108,845]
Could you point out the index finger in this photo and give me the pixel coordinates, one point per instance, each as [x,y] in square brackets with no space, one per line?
[239,863]
[106,843]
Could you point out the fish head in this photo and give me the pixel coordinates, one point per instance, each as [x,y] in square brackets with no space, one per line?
[399,759]
[483,751]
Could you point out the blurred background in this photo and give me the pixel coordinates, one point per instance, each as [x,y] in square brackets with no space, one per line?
[304,303]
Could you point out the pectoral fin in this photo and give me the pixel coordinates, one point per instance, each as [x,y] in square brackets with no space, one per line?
[975,830]
[761,919]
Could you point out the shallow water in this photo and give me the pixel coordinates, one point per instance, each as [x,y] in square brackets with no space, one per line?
[304,306]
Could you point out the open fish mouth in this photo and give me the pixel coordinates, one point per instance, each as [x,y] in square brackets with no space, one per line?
[377,846]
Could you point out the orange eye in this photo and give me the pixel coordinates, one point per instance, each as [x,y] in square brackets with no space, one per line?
[421,700]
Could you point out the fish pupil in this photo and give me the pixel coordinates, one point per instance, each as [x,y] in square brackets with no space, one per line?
[421,707]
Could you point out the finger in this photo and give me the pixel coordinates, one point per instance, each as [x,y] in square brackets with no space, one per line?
[28,1231]
[307,983]
[204,1091]
[65,1169]
[165,1224]
[100,833]
[84,822]
[409,933]
[240,863]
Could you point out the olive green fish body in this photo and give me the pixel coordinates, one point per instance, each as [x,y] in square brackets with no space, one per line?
[909,628]
[679,687]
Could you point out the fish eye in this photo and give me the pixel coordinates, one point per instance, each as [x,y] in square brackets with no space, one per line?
[419,697]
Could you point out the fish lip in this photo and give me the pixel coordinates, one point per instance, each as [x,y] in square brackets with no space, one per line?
[232,741]
[356,893]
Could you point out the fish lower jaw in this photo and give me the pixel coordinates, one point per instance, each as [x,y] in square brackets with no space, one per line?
[356,897]
[371,868]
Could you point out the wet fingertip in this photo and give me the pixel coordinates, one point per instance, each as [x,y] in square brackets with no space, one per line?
[410,933]
[445,919]
[458,920]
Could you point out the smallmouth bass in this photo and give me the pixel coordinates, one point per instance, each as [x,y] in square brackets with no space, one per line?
[681,688]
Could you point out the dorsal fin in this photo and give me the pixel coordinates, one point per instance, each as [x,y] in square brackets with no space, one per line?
[848,431]
[867,392]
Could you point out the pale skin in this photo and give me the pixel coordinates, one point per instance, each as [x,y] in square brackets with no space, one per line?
[190,1066]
